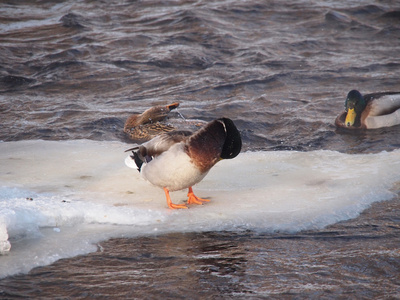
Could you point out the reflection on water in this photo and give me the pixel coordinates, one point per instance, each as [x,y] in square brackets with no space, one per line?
[368,141]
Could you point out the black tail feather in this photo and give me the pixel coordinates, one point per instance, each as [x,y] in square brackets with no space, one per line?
[137,159]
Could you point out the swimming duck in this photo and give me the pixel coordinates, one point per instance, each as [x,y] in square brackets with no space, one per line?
[370,111]
[147,125]
[179,159]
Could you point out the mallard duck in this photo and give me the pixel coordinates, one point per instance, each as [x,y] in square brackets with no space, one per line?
[147,125]
[179,159]
[370,111]
[153,121]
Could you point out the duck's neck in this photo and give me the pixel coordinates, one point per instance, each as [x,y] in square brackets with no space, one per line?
[132,122]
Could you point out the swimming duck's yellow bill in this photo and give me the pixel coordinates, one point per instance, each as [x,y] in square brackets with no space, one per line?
[350,117]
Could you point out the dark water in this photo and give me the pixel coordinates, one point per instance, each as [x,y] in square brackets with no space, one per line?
[357,259]
[77,69]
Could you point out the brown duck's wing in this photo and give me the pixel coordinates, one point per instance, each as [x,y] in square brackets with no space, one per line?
[131,122]
[146,132]
[158,128]
[138,134]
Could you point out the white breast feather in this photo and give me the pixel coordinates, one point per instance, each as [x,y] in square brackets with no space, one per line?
[173,169]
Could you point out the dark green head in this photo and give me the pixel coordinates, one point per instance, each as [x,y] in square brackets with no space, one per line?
[233,141]
[354,106]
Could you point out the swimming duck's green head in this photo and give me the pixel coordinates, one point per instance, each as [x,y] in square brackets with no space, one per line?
[354,106]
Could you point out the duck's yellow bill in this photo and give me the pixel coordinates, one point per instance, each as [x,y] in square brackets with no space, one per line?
[350,117]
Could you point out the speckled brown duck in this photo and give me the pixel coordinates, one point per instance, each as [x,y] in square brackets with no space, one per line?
[145,126]
[153,121]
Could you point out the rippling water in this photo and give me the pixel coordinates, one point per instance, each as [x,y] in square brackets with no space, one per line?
[77,69]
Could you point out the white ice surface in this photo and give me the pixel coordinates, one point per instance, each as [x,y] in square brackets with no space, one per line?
[58,199]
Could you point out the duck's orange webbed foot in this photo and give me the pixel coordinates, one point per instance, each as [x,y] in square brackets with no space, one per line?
[169,202]
[193,199]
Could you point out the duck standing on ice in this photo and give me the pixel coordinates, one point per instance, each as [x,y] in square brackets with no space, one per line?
[179,159]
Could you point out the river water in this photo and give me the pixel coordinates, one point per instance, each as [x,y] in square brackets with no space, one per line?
[306,211]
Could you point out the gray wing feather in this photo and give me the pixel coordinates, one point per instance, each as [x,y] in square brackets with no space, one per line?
[163,142]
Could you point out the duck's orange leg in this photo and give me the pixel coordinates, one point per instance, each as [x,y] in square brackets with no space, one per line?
[169,202]
[193,199]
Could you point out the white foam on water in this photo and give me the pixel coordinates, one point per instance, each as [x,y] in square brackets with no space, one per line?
[58,199]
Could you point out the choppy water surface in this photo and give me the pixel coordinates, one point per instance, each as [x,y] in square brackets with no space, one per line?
[77,69]
[331,263]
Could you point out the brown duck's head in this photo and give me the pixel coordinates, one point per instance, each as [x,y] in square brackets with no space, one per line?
[157,113]
[151,115]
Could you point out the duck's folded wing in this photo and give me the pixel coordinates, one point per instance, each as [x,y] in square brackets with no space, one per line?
[163,142]
[388,120]
[384,104]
